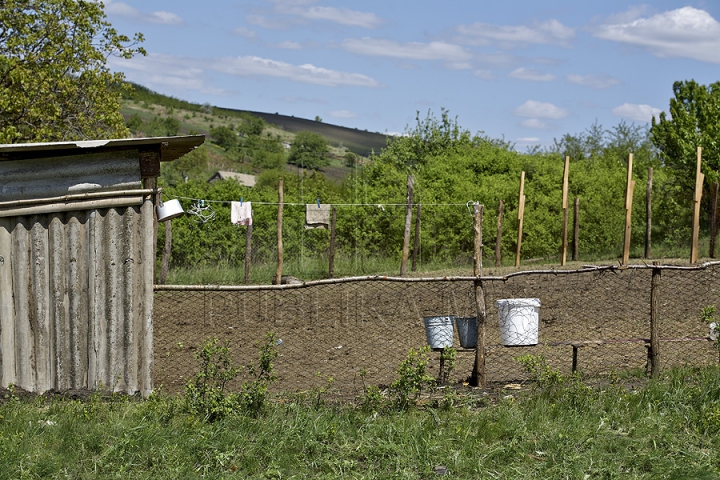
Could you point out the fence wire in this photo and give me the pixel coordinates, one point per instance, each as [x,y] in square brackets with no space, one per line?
[358,330]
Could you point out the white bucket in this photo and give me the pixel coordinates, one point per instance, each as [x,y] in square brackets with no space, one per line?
[169,210]
[519,321]
[467,328]
[439,331]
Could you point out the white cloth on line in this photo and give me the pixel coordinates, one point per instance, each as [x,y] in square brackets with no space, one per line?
[317,216]
[241,213]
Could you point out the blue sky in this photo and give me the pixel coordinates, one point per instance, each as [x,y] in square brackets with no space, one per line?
[527,71]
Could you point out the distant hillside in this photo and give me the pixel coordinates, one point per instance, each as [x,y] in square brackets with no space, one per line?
[357,141]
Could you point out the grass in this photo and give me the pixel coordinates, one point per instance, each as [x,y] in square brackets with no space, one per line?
[666,430]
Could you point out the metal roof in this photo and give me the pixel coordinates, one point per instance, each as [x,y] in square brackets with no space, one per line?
[170,148]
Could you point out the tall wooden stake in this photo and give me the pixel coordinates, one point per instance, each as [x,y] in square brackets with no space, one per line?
[713,218]
[576,230]
[478,378]
[629,188]
[408,224]
[167,250]
[278,272]
[331,254]
[699,178]
[416,244]
[521,216]
[563,257]
[653,354]
[648,213]
[248,252]
[498,239]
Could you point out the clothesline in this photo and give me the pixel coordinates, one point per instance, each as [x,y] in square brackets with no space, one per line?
[296,204]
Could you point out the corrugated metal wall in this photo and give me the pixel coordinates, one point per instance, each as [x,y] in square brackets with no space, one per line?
[76,299]
[90,172]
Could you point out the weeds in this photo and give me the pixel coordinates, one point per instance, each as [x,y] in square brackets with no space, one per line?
[412,378]
[206,394]
[447,360]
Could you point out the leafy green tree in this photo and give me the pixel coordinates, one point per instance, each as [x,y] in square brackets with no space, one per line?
[134,123]
[694,122]
[190,166]
[251,125]
[224,137]
[54,82]
[309,150]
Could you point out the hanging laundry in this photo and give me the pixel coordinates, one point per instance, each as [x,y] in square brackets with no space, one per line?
[240,213]
[317,215]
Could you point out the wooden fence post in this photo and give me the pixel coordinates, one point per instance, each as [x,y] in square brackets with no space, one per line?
[521,216]
[167,250]
[713,218]
[576,230]
[563,255]
[699,178]
[248,252]
[648,213]
[331,254]
[408,223]
[629,189]
[653,354]
[278,272]
[498,240]
[478,377]
[416,244]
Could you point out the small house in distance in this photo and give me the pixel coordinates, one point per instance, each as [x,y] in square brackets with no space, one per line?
[241,178]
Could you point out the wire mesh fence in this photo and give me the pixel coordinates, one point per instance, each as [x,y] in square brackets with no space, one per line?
[357,330]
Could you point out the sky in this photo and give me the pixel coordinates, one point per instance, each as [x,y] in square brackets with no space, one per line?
[525,71]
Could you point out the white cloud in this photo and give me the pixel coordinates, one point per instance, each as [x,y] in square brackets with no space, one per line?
[412,51]
[534,123]
[485,74]
[244,32]
[528,140]
[251,66]
[343,16]
[286,13]
[124,10]
[594,81]
[292,99]
[163,72]
[685,32]
[635,112]
[551,32]
[290,45]
[269,23]
[342,114]
[535,109]
[531,75]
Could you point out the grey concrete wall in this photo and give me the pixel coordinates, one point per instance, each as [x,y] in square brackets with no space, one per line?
[76,300]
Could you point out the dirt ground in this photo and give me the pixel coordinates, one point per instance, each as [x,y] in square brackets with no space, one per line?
[345,335]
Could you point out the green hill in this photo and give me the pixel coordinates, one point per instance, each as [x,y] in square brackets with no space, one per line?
[357,141]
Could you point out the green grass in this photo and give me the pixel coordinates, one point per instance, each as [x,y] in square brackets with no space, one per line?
[669,429]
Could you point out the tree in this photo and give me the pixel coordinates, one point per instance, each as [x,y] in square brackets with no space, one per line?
[54,82]
[694,122]
[251,125]
[224,137]
[309,150]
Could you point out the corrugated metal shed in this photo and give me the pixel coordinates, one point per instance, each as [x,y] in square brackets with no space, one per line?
[77,255]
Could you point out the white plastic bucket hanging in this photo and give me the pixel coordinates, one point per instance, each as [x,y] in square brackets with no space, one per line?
[519,321]
[467,331]
[169,210]
[439,331]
